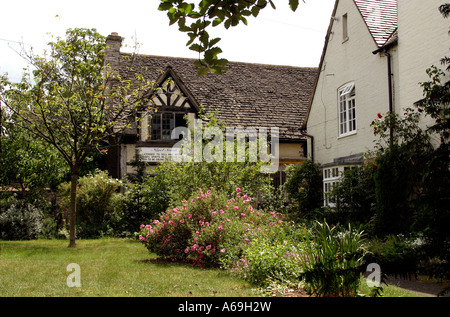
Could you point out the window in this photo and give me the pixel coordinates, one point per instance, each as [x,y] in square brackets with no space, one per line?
[331,177]
[162,124]
[347,110]
[344,28]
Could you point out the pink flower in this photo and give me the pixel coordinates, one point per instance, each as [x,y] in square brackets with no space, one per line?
[222,250]
[236,207]
[188,216]
[247,240]
[220,227]
[238,190]
[214,213]
[221,211]
[186,250]
[242,214]
[208,247]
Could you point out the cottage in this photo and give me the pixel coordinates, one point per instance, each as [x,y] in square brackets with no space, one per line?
[375,54]
[248,95]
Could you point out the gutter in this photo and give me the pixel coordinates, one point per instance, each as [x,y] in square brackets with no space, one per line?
[385,49]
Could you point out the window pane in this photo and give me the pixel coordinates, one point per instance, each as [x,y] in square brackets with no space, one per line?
[155,128]
[168,123]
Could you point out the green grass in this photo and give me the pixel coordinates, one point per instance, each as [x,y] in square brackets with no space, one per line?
[108,267]
[114,268]
[388,290]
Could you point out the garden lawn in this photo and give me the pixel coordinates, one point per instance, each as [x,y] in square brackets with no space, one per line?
[108,267]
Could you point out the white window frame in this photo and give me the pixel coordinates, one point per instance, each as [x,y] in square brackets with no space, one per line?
[347,124]
[332,176]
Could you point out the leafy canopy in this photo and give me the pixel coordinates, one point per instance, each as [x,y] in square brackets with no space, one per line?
[208,13]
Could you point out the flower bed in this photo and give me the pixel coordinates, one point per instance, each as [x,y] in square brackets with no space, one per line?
[208,226]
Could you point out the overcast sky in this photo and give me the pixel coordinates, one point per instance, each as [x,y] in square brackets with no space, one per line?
[280,36]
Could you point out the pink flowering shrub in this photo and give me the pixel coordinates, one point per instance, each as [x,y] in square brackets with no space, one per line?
[208,226]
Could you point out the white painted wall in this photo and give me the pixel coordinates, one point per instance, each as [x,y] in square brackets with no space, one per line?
[351,60]
[423,41]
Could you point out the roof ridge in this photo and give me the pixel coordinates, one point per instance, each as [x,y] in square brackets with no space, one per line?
[230,62]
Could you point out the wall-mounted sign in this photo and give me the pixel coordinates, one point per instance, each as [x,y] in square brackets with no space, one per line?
[158,154]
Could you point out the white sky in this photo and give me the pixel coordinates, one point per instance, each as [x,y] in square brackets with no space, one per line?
[279,37]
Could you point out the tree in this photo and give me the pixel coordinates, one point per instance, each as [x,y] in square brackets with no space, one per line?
[212,13]
[73,101]
[27,162]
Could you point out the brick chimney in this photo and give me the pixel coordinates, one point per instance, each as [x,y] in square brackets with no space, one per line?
[112,50]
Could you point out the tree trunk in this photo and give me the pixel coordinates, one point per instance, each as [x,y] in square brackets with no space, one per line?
[73,205]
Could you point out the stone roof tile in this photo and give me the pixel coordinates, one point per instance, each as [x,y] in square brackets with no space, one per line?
[248,95]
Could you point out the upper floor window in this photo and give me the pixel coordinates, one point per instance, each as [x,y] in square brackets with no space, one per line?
[347,110]
[344,27]
[162,124]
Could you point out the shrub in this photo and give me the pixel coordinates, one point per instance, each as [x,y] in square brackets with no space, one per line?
[170,182]
[304,186]
[332,260]
[354,196]
[208,227]
[20,221]
[397,255]
[270,258]
[98,207]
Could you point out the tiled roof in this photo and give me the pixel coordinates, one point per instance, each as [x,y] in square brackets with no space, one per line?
[380,17]
[248,95]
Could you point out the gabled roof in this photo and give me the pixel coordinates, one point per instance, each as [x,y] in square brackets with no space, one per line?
[248,95]
[169,77]
[380,17]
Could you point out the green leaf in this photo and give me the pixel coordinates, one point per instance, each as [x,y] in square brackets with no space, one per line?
[273,5]
[214,41]
[216,21]
[293,4]
[202,71]
[164,6]
[255,11]
[196,47]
